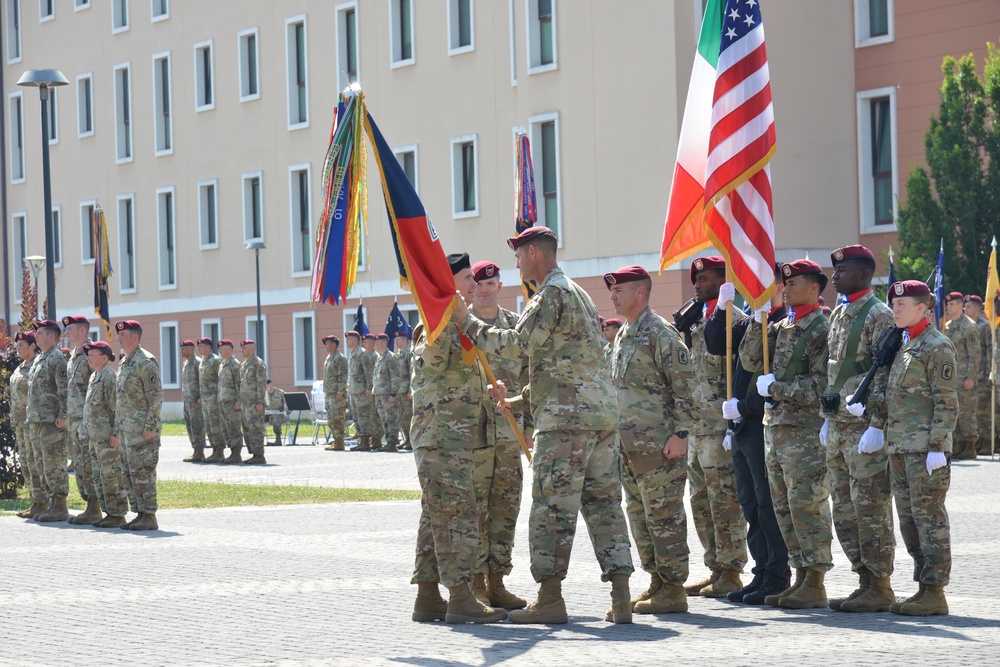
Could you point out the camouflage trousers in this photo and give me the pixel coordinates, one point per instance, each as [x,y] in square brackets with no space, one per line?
[214,428]
[862,499]
[574,472]
[83,463]
[253,428]
[365,417]
[405,414]
[139,472]
[923,519]
[336,415]
[967,427]
[800,491]
[231,420]
[30,469]
[984,415]
[49,444]
[388,413]
[715,503]
[109,477]
[497,479]
[654,495]
[194,420]
[448,531]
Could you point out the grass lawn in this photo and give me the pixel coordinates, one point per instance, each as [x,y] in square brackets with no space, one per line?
[305,429]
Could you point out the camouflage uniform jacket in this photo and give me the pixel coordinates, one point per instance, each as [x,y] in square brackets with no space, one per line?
[405,368]
[19,392]
[386,375]
[229,382]
[654,376]
[191,380]
[275,400]
[253,381]
[139,397]
[985,348]
[335,374]
[965,337]
[920,397]
[842,320]
[47,387]
[99,408]
[208,376]
[710,383]
[798,399]
[569,378]
[359,373]
[449,397]
[77,377]
[514,375]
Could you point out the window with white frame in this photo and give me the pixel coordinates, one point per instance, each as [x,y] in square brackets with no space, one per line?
[544,134]
[17,172]
[52,115]
[204,77]
[299,189]
[541,16]
[407,158]
[297,61]
[874,22]
[212,328]
[253,207]
[208,213]
[81,4]
[877,159]
[13,31]
[162,100]
[88,246]
[119,16]
[126,244]
[258,333]
[461,27]
[348,65]
[85,105]
[304,348]
[46,10]
[401,29]
[123,112]
[464,176]
[167,235]
[94,334]
[249,73]
[19,225]
[57,236]
[170,358]
[159,10]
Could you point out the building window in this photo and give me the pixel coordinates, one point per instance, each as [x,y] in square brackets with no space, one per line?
[52,116]
[88,248]
[401,28]
[545,158]
[170,360]
[513,41]
[349,314]
[167,236]
[126,244]
[81,4]
[85,105]
[258,334]
[253,207]
[461,27]
[347,44]
[57,236]
[304,343]
[300,217]
[541,36]
[162,123]
[212,328]
[160,10]
[464,177]
[296,58]
[13,31]
[123,113]
[878,159]
[46,10]
[119,16]
[16,138]
[19,223]
[208,213]
[94,334]
[874,22]
[204,76]
[407,158]
[249,76]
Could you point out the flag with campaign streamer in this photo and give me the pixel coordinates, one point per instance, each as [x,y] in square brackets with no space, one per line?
[992,287]
[102,268]
[525,201]
[395,324]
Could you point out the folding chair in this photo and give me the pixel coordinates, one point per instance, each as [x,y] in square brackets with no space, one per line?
[320,422]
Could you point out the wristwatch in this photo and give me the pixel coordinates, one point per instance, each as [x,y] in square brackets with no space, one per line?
[681,434]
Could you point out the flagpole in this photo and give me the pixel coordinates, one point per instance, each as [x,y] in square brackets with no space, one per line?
[993,361]
[729,339]
[510,417]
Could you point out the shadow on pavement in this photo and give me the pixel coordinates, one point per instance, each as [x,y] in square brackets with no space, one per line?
[925,627]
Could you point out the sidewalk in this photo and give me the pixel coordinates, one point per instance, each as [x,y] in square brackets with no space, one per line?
[329,585]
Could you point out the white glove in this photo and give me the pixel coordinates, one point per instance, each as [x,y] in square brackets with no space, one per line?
[727,443]
[727,292]
[761,315]
[872,440]
[935,460]
[764,383]
[730,409]
[857,409]
[824,430]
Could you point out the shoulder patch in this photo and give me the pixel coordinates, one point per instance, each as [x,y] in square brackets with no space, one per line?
[947,371]
[682,356]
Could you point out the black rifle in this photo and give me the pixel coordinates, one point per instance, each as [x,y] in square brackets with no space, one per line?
[883,353]
[686,317]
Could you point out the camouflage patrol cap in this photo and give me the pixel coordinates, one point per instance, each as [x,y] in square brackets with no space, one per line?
[101,346]
[485,270]
[225,342]
[908,288]
[331,337]
[954,296]
[529,235]
[706,264]
[26,336]
[626,274]
[74,319]
[187,342]
[127,325]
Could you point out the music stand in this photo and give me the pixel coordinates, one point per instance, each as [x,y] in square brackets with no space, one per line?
[297,402]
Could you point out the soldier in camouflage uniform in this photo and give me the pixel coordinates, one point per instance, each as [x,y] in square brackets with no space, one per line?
[385,389]
[47,419]
[372,417]
[27,349]
[921,408]
[449,425]
[856,460]
[359,387]
[984,392]
[577,459]
[253,384]
[229,401]
[796,464]
[138,399]
[98,425]
[404,353]
[335,391]
[275,410]
[194,416]
[964,336]
[208,389]
[77,329]
[715,503]
[652,371]
[609,329]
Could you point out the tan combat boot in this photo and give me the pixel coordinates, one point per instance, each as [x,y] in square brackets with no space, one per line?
[879,596]
[669,599]
[110,521]
[896,606]
[365,444]
[332,447]
[89,516]
[37,507]
[810,595]
[727,582]
[197,457]
[478,587]
[217,456]
[800,577]
[655,584]
[338,445]
[931,603]
[463,607]
[500,596]
[429,605]
[145,521]
[695,589]
[234,456]
[620,610]
[549,608]
[864,580]
[56,512]
[277,437]
[256,459]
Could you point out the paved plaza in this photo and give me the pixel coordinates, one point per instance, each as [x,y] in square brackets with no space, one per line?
[329,585]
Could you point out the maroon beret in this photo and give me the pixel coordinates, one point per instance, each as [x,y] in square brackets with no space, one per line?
[800,267]
[530,234]
[485,270]
[331,337]
[25,335]
[954,296]
[908,288]
[369,336]
[851,252]
[626,274]
[66,351]
[403,333]
[75,319]
[247,341]
[826,310]
[205,341]
[99,345]
[225,341]
[352,333]
[127,325]
[382,336]
[187,342]
[46,324]
[706,263]
[612,322]
[974,297]
[822,301]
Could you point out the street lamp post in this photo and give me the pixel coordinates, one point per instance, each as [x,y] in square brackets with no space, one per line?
[35,263]
[44,79]
[257,246]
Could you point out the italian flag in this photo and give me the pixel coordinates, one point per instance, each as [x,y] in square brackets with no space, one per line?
[684,232]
